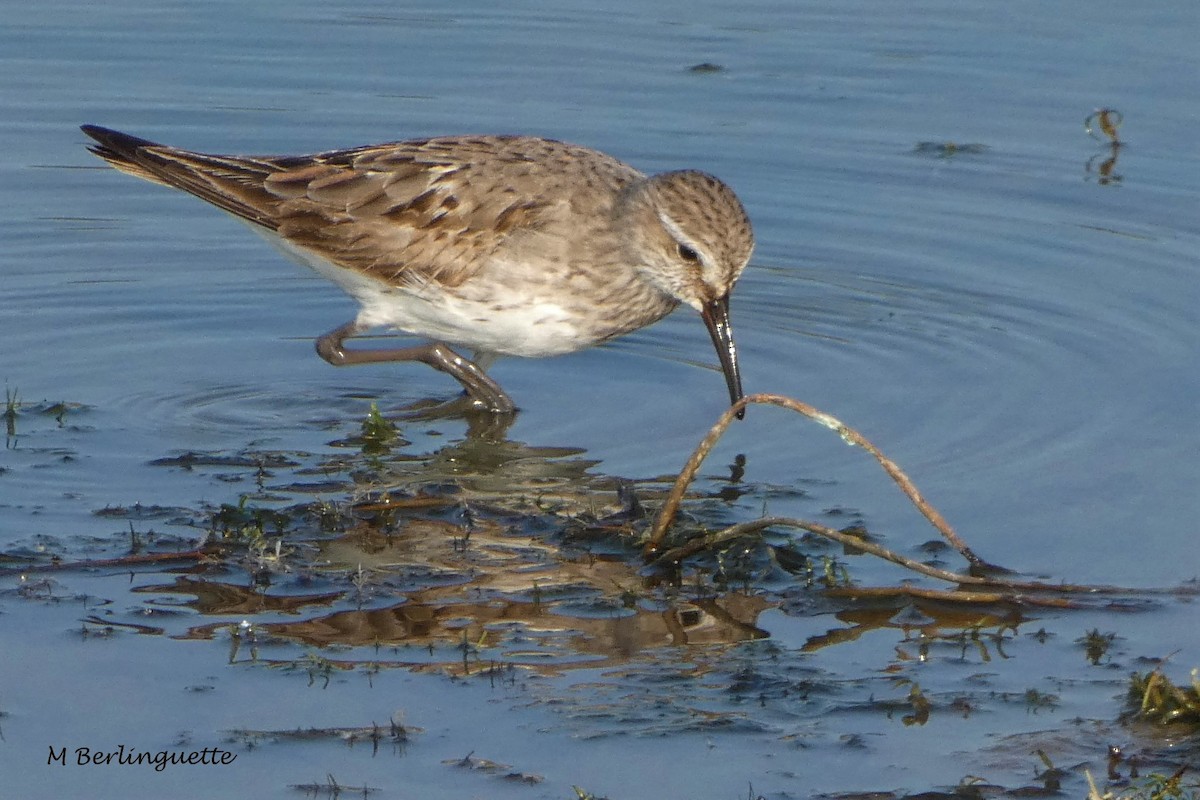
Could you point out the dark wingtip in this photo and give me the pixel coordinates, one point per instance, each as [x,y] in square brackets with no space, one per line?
[115,141]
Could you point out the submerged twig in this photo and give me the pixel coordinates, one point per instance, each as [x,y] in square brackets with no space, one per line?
[136,559]
[702,543]
[709,541]
[669,509]
[971,597]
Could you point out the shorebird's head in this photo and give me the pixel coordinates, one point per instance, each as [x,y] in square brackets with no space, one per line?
[691,238]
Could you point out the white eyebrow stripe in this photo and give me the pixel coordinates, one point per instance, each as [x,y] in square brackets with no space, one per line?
[707,268]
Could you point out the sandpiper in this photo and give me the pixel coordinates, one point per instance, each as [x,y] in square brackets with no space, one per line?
[507,245]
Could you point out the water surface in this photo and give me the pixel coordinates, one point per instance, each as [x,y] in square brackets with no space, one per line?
[1014,326]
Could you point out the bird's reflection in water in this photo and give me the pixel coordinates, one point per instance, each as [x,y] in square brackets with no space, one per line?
[487,550]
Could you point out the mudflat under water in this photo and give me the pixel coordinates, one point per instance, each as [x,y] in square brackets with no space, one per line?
[946,261]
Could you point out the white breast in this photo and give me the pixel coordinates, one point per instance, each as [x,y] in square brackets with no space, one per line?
[510,321]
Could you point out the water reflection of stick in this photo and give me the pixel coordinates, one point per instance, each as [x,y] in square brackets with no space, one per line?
[669,509]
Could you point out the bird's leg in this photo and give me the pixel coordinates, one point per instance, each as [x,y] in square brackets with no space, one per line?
[474,380]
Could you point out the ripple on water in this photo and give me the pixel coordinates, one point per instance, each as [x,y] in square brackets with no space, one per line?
[247,411]
[1014,339]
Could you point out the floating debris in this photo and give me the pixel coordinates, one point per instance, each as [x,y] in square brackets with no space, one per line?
[949,149]
[1104,121]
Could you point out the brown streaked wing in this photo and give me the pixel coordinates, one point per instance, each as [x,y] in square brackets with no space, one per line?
[427,209]
[400,214]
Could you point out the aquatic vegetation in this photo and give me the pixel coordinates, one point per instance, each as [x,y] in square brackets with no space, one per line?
[949,149]
[582,794]
[1096,645]
[11,403]
[378,432]
[1162,702]
[14,407]
[331,788]
[1037,700]
[1150,787]
[248,524]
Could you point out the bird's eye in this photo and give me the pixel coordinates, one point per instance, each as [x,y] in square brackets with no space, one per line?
[688,254]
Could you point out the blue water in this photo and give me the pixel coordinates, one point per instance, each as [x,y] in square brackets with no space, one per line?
[1016,329]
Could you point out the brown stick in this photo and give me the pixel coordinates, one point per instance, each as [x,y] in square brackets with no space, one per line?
[123,561]
[753,526]
[701,543]
[671,507]
[952,596]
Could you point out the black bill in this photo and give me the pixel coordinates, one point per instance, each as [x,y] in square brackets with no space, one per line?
[716,317]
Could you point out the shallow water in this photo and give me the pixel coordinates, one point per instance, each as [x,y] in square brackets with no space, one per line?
[1018,329]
